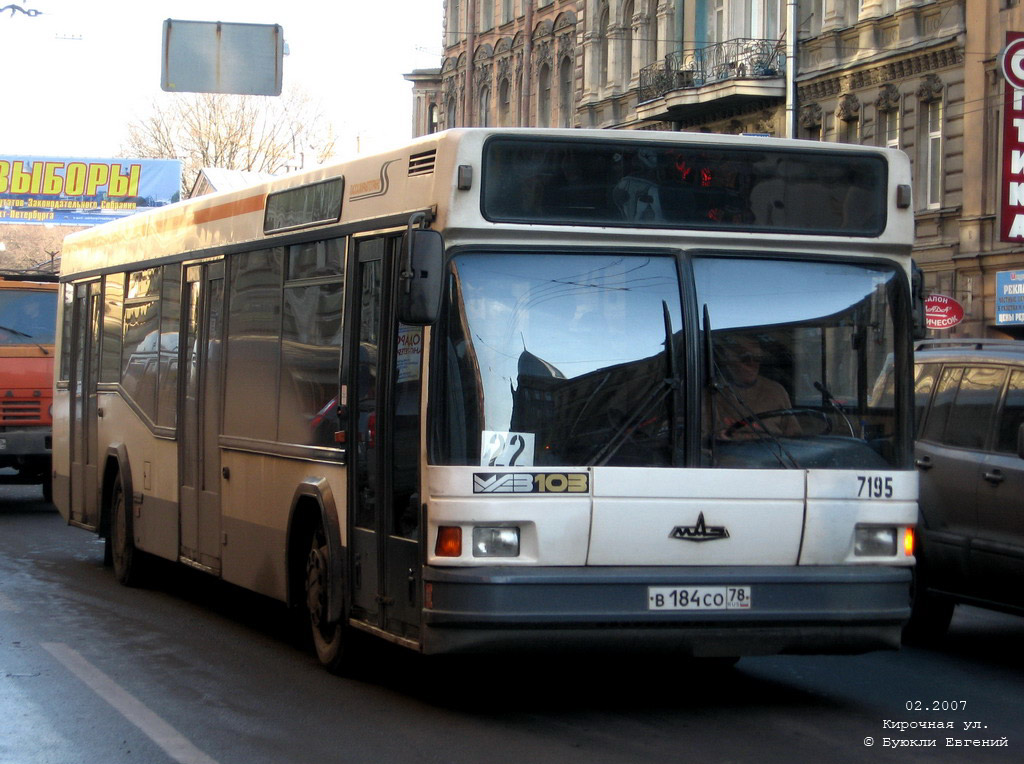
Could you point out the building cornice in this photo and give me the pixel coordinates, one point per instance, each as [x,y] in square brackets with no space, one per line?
[905,67]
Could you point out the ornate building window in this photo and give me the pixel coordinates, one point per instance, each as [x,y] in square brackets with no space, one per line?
[930,96]
[602,48]
[888,107]
[504,103]
[507,12]
[452,28]
[565,92]
[451,77]
[743,19]
[484,116]
[626,65]
[718,28]
[450,113]
[814,18]
[649,34]
[848,114]
[810,122]
[544,96]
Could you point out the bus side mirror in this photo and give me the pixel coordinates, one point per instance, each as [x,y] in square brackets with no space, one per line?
[422,280]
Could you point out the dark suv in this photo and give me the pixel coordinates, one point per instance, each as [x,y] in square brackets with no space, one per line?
[970,455]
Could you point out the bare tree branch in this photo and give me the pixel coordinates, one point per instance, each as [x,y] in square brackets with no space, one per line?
[232,132]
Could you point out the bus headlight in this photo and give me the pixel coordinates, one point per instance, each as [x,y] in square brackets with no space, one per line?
[874,541]
[495,542]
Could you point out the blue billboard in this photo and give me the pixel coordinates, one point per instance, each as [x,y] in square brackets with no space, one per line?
[81,191]
[1009,297]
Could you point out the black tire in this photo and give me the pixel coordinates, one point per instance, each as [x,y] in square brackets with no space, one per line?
[127,561]
[330,638]
[47,489]
[929,614]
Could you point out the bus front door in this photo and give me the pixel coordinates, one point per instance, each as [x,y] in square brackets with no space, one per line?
[84,505]
[384,556]
[202,324]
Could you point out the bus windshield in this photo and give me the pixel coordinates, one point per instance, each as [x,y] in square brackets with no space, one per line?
[569,360]
[797,348]
[557,359]
[27,317]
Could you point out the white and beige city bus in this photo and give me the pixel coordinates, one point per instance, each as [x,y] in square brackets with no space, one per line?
[514,389]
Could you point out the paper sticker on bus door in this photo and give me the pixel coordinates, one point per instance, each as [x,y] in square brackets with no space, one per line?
[506,449]
[409,352]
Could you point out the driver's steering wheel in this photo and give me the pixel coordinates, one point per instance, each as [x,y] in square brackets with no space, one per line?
[756,419]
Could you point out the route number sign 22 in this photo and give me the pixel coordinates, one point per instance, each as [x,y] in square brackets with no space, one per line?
[506,449]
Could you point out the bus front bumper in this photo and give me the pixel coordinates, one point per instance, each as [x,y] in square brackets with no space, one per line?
[812,609]
[27,451]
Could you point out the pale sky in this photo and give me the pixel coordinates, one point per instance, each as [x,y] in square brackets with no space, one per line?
[75,75]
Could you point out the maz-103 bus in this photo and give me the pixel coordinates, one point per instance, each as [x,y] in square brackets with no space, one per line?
[28,313]
[485,393]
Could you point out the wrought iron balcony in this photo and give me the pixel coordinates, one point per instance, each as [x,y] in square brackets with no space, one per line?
[741,58]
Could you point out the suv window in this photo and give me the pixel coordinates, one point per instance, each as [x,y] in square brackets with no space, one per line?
[964,405]
[924,383]
[1012,415]
[945,391]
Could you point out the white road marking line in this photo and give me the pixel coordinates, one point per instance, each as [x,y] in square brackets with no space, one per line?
[156,729]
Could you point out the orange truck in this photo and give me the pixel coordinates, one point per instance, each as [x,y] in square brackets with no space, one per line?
[28,310]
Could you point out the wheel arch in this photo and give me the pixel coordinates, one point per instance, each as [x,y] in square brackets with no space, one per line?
[314,503]
[116,464]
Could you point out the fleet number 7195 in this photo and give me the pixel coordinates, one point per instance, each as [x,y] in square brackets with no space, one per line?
[874,487]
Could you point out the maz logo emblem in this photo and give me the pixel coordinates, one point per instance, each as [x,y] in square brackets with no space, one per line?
[699,532]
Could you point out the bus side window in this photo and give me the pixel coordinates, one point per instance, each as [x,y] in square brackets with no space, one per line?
[310,347]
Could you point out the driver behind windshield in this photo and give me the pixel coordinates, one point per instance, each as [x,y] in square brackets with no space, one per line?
[747,394]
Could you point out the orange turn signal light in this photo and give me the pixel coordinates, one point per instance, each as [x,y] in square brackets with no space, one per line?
[449,541]
[908,541]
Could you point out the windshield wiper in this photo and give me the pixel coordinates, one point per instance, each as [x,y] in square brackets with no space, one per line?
[19,333]
[836,406]
[12,330]
[654,396]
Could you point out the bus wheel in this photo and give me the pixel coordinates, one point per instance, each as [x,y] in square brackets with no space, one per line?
[120,543]
[328,636]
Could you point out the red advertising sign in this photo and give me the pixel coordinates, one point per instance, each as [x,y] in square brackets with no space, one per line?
[1011,223]
[941,312]
[1011,60]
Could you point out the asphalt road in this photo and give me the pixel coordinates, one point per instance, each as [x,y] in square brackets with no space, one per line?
[194,671]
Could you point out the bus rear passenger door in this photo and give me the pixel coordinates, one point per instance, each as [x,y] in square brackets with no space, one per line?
[84,411]
[384,395]
[199,426]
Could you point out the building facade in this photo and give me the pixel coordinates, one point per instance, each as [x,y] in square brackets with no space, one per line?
[909,74]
